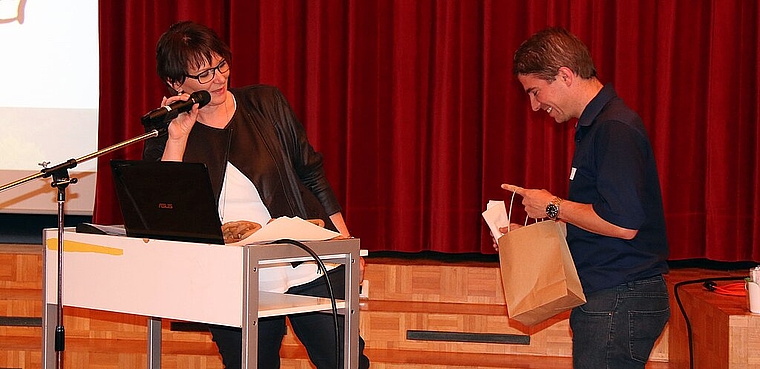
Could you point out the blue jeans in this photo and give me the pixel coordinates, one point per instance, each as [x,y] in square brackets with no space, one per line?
[616,328]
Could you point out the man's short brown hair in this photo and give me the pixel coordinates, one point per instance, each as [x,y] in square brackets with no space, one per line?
[546,51]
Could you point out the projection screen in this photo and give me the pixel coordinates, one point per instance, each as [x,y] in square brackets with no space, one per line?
[49,100]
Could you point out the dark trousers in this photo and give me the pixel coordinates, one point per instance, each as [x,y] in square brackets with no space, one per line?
[315,330]
[617,328]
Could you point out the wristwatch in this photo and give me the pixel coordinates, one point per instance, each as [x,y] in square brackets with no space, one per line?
[552,210]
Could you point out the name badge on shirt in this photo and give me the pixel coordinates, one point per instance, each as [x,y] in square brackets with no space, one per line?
[572,173]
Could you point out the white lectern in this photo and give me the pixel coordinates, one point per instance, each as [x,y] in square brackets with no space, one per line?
[185,281]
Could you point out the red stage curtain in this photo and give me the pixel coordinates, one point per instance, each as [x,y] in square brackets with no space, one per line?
[414,105]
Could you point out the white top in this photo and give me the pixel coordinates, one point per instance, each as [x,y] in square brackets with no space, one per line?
[240,200]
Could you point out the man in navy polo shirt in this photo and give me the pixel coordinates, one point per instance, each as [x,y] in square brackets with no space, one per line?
[614,215]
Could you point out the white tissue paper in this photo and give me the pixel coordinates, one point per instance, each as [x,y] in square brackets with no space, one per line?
[495,216]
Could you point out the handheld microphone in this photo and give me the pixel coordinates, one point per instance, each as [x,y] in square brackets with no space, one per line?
[156,117]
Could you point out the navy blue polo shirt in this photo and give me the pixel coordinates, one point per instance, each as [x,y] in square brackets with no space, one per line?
[614,170]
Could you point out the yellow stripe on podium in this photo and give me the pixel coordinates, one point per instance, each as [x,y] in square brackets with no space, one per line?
[73,246]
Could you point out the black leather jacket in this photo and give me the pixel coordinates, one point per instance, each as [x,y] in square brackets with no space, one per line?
[268,144]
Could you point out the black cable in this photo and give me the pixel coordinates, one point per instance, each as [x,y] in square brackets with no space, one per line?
[334,304]
[683,311]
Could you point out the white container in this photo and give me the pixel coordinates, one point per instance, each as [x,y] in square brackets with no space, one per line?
[753,297]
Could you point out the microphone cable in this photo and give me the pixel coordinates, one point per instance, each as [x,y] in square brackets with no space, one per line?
[705,282]
[333,302]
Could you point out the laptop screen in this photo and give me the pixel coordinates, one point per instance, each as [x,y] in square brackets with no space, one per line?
[167,201]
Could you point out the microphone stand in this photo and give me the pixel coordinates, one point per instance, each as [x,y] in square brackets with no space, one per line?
[61,180]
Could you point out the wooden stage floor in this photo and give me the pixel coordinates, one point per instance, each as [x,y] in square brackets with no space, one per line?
[405,295]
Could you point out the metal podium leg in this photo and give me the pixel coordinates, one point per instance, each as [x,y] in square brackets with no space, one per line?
[351,317]
[154,343]
[250,327]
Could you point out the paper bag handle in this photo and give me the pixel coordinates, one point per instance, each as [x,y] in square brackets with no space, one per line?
[509,215]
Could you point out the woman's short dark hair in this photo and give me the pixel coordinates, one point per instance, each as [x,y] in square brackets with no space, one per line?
[545,52]
[185,45]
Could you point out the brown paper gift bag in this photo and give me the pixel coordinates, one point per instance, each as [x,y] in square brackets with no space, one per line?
[538,273]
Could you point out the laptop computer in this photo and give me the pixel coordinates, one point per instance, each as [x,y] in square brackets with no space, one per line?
[167,201]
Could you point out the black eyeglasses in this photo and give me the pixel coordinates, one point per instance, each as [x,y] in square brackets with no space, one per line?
[209,74]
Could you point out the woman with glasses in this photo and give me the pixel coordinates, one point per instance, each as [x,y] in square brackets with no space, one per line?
[262,167]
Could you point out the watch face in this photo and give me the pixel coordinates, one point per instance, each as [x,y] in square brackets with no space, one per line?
[552,210]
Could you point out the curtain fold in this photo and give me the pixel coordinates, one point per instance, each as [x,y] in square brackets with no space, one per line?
[415,108]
